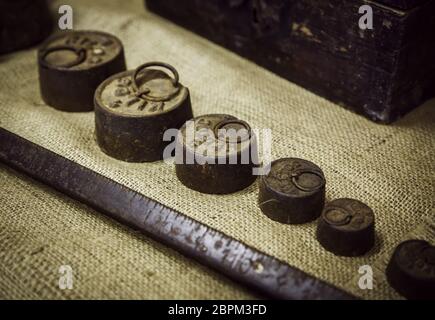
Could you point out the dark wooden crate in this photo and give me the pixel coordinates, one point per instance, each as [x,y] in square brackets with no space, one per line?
[381,73]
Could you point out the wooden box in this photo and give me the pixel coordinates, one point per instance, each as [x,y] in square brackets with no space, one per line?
[381,73]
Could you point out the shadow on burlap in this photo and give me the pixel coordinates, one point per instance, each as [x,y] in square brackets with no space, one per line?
[391,168]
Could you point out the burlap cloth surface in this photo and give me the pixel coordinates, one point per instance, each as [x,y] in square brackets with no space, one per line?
[391,168]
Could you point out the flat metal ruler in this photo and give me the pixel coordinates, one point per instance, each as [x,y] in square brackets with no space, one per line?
[265,274]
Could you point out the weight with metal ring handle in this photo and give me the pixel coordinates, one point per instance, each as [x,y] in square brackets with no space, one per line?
[297,174]
[344,219]
[211,165]
[244,125]
[411,270]
[80,53]
[346,227]
[131,123]
[71,86]
[283,198]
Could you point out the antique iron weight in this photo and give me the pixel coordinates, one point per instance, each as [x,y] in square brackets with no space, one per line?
[216,154]
[73,64]
[411,270]
[293,192]
[133,109]
[346,227]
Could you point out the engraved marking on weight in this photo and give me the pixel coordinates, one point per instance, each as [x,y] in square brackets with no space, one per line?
[115,104]
[123,89]
[134,100]
[157,106]
[124,82]
[120,92]
[84,41]
[92,44]
[284,177]
[142,106]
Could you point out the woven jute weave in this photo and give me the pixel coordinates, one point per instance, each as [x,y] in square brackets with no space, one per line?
[391,168]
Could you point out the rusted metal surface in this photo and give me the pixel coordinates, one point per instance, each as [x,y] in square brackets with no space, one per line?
[72,64]
[241,263]
[293,192]
[411,270]
[347,227]
[222,151]
[23,23]
[381,73]
[133,109]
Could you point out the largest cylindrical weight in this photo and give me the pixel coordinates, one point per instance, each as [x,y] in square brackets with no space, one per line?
[133,109]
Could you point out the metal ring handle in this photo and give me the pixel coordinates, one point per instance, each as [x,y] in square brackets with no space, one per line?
[81,55]
[219,126]
[345,221]
[175,80]
[300,172]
